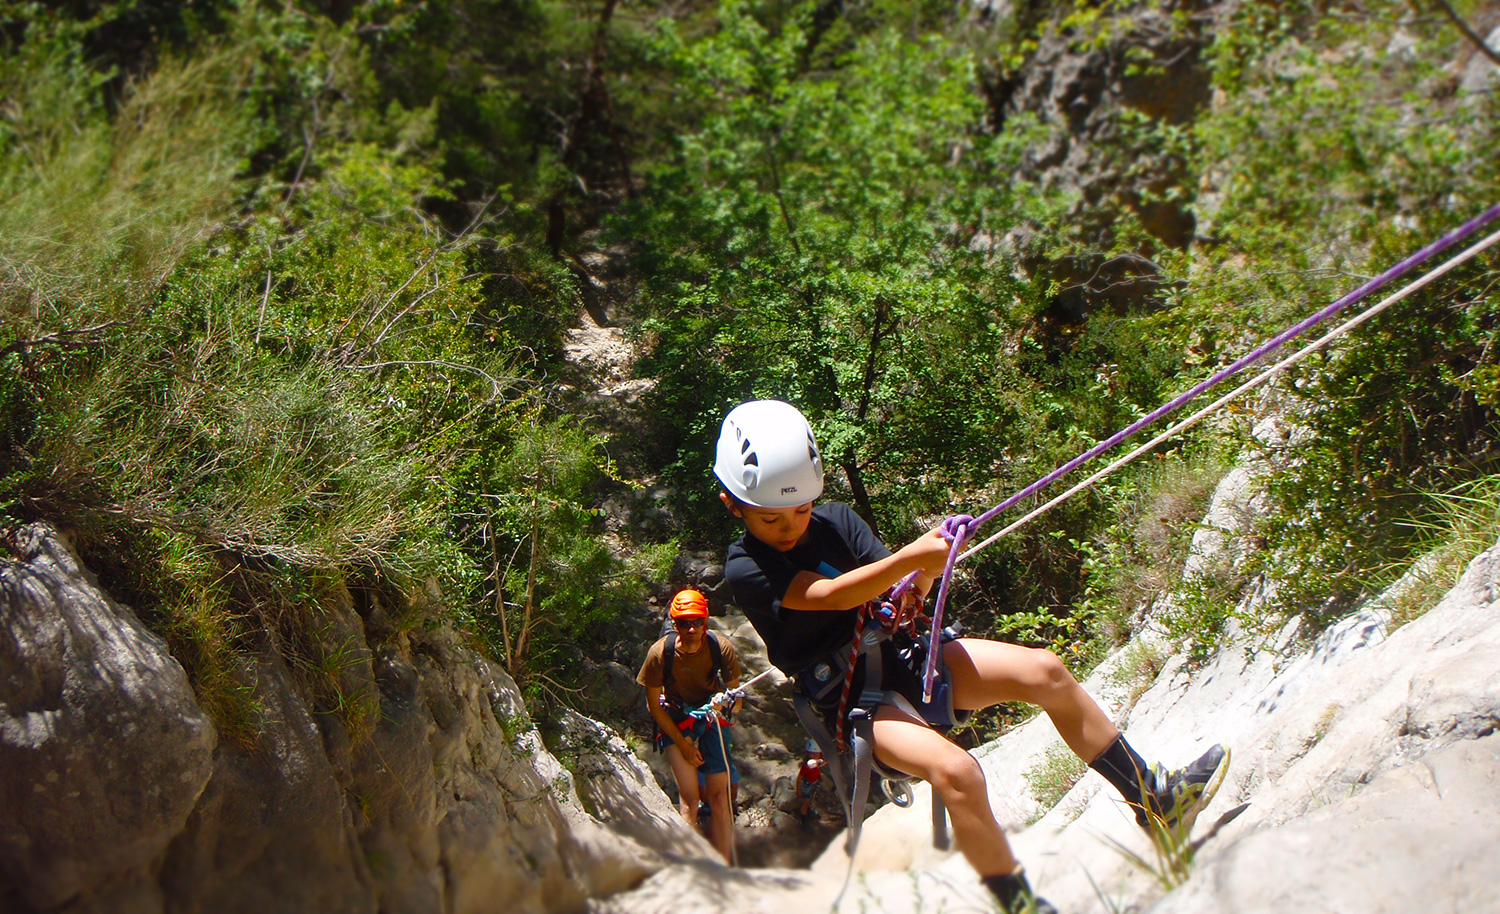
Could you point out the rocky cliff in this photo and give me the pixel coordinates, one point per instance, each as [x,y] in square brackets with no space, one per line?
[1369,761]
[119,794]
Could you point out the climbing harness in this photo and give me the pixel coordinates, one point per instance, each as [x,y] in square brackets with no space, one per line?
[885,632]
[959,529]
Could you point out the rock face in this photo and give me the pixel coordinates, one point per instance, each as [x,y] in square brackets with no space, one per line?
[429,789]
[1370,763]
[103,748]
[1083,99]
[1079,95]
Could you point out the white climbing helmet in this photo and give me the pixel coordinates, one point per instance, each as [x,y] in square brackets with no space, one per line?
[767,456]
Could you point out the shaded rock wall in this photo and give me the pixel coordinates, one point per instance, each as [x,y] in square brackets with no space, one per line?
[1090,95]
[104,751]
[426,788]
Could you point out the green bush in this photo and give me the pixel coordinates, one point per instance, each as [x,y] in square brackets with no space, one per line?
[238,410]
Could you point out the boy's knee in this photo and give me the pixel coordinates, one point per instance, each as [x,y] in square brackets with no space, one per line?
[956,773]
[1048,671]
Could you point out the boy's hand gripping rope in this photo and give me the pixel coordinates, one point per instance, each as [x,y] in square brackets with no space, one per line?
[959,529]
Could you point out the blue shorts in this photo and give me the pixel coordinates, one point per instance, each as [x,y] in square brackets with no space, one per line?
[707,739]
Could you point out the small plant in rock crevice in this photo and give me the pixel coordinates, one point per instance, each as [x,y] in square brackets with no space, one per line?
[1052,777]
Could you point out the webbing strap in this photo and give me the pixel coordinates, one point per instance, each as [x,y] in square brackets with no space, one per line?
[852,765]
[863,747]
[837,761]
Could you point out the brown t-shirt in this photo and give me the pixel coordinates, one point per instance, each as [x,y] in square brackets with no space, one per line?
[691,684]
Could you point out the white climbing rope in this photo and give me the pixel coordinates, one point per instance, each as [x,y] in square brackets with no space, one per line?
[1258,380]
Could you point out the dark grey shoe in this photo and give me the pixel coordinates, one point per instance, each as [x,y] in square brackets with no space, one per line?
[1178,796]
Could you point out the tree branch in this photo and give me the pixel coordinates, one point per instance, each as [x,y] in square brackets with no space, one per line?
[1469,33]
[63,339]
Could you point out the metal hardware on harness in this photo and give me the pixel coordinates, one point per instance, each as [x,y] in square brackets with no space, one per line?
[897,791]
[852,760]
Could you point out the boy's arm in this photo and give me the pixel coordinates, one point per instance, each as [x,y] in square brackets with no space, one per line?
[925,555]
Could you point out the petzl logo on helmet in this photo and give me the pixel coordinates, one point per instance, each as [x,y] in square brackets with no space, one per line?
[787,489]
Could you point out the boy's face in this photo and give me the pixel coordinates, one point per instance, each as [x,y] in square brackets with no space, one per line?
[779,528]
[691,634]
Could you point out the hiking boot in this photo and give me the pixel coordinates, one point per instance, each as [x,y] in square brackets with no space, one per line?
[1179,795]
[1014,894]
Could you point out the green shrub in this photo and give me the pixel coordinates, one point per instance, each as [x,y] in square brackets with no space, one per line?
[1055,775]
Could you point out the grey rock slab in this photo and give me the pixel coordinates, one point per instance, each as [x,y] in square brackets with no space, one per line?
[1425,837]
[1309,729]
[103,747]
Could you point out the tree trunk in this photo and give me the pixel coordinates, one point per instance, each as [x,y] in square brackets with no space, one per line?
[862,506]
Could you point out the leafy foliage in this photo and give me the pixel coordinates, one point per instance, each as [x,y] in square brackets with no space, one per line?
[286,289]
[227,408]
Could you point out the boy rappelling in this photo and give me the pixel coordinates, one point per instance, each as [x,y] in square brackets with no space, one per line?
[692,678]
[811,580]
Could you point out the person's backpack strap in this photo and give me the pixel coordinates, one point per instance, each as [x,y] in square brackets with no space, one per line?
[667,653]
[715,653]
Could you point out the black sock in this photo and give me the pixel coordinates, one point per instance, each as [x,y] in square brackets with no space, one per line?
[1123,767]
[1009,889]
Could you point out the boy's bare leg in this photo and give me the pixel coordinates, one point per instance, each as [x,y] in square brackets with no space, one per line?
[717,788]
[988,673]
[686,774]
[907,744]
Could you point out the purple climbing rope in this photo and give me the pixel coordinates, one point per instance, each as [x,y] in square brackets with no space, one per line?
[961,528]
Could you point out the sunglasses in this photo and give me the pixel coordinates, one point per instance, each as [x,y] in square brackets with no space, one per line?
[687,625]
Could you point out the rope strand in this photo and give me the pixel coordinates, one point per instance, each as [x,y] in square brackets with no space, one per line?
[963,531]
[1257,381]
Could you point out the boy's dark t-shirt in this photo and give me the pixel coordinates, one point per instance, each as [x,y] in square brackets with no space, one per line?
[837,541]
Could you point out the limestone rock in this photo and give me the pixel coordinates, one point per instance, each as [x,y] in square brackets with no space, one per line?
[406,777]
[1482,74]
[1311,735]
[103,748]
[1369,760]
[1423,837]
[620,790]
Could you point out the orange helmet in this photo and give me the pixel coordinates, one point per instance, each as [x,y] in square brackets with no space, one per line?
[689,604]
